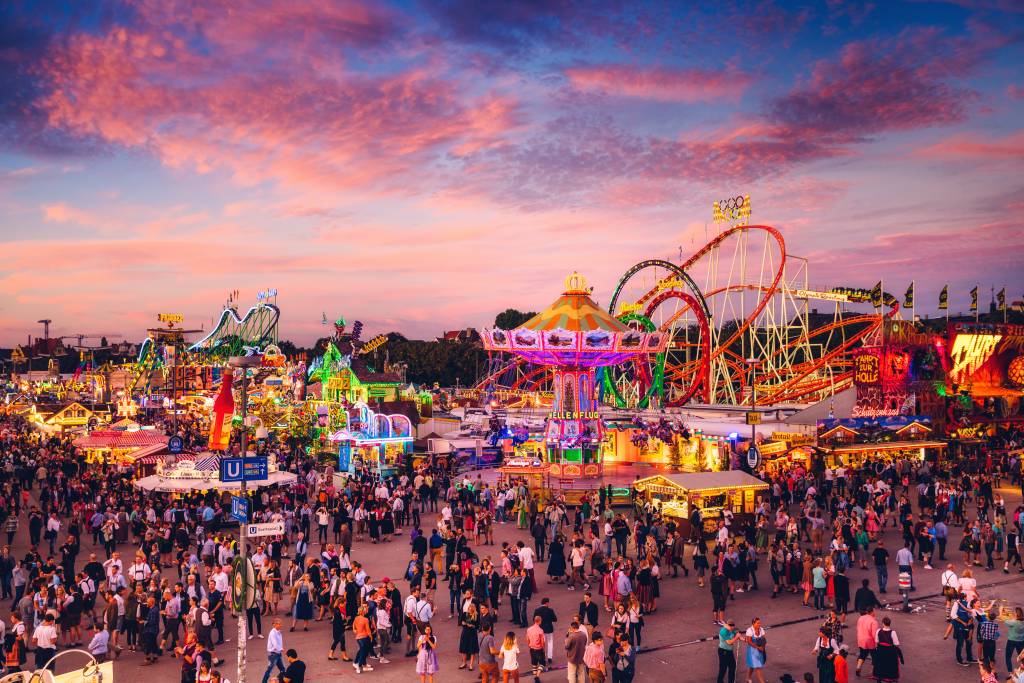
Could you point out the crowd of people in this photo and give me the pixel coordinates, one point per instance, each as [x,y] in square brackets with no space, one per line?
[116,570]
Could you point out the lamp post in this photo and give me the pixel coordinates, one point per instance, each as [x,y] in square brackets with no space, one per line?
[243,363]
[753,363]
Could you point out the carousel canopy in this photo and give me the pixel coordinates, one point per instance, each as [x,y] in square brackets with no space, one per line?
[574,332]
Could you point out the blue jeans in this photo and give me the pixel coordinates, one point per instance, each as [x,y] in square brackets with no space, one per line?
[363,652]
[273,659]
[883,576]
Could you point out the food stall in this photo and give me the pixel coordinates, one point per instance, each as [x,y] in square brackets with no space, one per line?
[676,495]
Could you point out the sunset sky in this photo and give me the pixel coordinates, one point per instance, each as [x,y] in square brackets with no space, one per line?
[423,165]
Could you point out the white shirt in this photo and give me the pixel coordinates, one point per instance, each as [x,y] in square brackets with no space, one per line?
[221,582]
[45,636]
[526,556]
[275,643]
[949,578]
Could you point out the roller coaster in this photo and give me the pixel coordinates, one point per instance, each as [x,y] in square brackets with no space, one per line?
[740,325]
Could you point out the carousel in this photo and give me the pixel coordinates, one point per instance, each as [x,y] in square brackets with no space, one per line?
[574,337]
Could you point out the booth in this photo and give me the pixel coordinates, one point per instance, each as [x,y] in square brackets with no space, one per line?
[676,495]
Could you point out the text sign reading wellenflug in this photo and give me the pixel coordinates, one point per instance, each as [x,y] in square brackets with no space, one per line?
[265,529]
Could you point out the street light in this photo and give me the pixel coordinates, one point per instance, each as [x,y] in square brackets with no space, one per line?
[753,363]
[243,363]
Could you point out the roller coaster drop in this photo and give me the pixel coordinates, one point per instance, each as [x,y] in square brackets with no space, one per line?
[753,304]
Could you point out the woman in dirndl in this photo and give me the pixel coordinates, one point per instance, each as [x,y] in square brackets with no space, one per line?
[887,656]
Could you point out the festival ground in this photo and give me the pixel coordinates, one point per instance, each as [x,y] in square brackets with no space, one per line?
[679,639]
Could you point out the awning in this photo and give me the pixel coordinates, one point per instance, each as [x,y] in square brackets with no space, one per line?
[889,446]
[162,484]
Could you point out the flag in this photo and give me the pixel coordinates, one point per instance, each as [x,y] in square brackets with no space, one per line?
[876,295]
[908,298]
[974,299]
[944,298]
[1001,299]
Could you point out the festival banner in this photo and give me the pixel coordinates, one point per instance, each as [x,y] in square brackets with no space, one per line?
[944,298]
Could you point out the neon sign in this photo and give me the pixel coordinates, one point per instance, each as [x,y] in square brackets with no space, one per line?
[574,416]
[170,318]
[629,308]
[970,352]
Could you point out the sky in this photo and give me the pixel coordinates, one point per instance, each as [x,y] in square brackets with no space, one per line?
[421,166]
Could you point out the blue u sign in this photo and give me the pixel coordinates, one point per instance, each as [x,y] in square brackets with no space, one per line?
[231,469]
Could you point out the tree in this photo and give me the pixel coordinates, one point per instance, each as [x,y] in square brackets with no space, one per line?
[510,318]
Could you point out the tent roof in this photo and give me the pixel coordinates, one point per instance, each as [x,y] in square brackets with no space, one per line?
[839,406]
[703,481]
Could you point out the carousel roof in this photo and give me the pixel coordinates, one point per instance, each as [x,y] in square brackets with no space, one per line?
[575,311]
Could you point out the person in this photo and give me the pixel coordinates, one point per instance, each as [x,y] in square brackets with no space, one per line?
[588,613]
[151,632]
[867,626]
[535,643]
[338,629]
[757,643]
[962,617]
[865,598]
[100,643]
[364,636]
[593,658]
[719,595]
[842,670]
[987,671]
[509,658]
[881,557]
[45,640]
[825,647]
[905,562]
[1014,637]
[275,648]
[623,661]
[488,654]
[469,646]
[426,658]
[728,636]
[988,636]
[547,622]
[296,671]
[888,655]
[302,610]
[575,646]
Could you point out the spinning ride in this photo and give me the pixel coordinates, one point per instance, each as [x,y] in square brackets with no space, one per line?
[574,337]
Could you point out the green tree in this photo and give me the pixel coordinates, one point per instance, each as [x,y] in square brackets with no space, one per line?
[510,318]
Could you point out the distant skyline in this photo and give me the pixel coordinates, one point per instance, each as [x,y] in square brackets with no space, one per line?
[421,166]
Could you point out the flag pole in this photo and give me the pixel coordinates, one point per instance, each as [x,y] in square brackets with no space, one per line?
[913,302]
[975,299]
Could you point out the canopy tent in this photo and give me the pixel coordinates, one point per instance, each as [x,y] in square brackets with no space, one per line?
[162,484]
[837,406]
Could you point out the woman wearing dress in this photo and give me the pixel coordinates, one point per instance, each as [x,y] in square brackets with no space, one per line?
[302,608]
[757,643]
[969,585]
[887,656]
[556,559]
[509,658]
[468,644]
[426,657]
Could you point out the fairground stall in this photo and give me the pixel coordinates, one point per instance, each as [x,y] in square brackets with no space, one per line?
[380,443]
[119,446]
[878,440]
[677,495]
[574,337]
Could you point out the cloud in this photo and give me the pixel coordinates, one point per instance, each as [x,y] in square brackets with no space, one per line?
[1015,92]
[660,83]
[972,146]
[877,86]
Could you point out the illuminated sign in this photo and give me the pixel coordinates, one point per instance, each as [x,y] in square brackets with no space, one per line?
[793,438]
[374,344]
[826,296]
[594,415]
[670,284]
[629,308]
[753,418]
[773,448]
[170,318]
[970,352]
[732,209]
[266,294]
[866,369]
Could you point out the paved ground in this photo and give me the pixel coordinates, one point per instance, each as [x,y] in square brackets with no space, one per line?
[678,637]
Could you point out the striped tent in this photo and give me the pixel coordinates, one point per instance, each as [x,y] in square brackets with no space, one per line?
[575,311]
[210,463]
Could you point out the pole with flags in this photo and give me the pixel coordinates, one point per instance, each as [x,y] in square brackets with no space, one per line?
[1001,302]
[944,300]
[876,295]
[974,302]
[908,300]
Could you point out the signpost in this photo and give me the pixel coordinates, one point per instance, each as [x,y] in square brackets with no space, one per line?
[753,418]
[244,469]
[240,509]
[265,529]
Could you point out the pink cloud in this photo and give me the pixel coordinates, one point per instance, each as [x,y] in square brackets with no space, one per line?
[660,83]
[971,146]
[1015,92]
